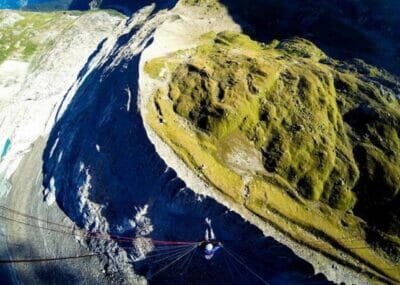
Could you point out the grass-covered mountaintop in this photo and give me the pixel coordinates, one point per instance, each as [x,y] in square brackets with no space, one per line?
[283,129]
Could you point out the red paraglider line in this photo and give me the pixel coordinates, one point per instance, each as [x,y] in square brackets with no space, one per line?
[88,234]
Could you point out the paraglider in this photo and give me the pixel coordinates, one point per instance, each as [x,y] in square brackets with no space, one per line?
[210,244]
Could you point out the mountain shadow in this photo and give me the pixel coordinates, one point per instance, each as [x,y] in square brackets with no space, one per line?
[344,29]
[125,6]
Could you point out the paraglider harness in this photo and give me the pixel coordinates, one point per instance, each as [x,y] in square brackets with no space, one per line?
[210,247]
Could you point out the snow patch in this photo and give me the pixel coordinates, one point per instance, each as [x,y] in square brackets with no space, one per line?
[128,104]
[94,4]
[143,227]
[49,197]
[12,76]
[90,210]
[126,226]
[84,188]
[81,166]
[50,193]
[60,156]
[143,223]
[53,148]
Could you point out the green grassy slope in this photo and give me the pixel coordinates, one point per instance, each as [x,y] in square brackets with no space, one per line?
[32,32]
[24,37]
[296,137]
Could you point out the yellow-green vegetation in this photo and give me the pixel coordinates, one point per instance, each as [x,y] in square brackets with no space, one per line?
[30,31]
[24,37]
[210,4]
[305,142]
[237,85]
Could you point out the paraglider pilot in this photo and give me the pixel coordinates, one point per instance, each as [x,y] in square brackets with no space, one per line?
[210,245]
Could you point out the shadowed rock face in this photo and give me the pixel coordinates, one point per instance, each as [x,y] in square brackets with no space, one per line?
[103,167]
[344,29]
[125,6]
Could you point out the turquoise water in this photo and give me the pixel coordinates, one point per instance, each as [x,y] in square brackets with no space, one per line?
[6,148]
[4,185]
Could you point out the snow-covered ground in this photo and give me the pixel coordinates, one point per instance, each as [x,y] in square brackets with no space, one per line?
[12,76]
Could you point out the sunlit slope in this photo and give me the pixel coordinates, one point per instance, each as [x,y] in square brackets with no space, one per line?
[23,34]
[300,139]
